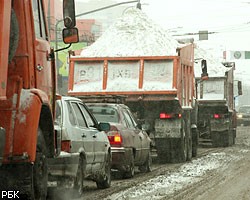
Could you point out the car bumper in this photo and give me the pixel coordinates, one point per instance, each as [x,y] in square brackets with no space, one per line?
[121,158]
[66,164]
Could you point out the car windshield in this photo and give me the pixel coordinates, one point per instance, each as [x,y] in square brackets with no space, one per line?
[104,113]
[244,109]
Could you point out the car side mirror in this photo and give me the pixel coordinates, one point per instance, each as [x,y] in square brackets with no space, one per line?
[103,126]
[145,127]
[139,126]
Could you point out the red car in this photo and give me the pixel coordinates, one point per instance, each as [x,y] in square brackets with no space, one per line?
[130,145]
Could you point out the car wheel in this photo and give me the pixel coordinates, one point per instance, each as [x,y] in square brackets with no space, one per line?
[131,172]
[105,182]
[146,167]
[78,181]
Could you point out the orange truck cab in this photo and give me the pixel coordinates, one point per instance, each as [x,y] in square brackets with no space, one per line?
[27,96]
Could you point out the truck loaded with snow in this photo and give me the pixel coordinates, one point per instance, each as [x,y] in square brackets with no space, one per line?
[138,60]
[216,106]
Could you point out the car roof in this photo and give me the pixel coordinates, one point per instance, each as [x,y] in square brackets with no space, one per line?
[69,98]
[108,104]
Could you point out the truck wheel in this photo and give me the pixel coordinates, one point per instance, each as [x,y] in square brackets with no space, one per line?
[40,168]
[194,142]
[78,181]
[189,139]
[146,167]
[131,172]
[183,152]
[105,182]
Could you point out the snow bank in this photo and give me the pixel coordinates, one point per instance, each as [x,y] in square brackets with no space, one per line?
[134,34]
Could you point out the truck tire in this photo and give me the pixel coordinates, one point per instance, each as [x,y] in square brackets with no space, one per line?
[188,135]
[40,169]
[105,181]
[184,150]
[195,141]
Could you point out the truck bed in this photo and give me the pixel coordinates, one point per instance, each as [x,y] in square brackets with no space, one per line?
[149,78]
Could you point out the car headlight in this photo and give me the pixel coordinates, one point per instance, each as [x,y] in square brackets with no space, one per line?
[239,116]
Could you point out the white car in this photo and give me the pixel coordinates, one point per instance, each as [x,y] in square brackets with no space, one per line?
[85,148]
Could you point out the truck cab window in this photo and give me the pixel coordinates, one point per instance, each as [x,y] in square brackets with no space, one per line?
[39,22]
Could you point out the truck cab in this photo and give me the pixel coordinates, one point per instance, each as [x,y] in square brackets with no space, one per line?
[27,96]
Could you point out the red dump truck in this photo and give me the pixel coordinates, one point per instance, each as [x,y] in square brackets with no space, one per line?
[160,90]
[27,97]
[216,108]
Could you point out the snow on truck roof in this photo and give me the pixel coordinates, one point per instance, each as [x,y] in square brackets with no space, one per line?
[133,34]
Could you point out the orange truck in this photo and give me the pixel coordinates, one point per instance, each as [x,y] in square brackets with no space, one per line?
[160,90]
[27,97]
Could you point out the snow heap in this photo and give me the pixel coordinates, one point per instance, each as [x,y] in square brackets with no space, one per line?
[214,66]
[134,34]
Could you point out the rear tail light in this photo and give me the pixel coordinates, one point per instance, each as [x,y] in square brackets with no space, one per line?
[114,137]
[170,116]
[66,146]
[219,116]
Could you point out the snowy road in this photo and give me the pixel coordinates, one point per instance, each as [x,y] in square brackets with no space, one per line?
[218,174]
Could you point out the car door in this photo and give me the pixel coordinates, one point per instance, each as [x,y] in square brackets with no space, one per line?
[137,138]
[100,138]
[145,142]
[86,137]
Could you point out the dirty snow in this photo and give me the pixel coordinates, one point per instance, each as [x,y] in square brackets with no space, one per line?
[189,173]
[134,34]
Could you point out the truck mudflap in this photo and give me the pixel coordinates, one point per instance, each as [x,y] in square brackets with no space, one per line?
[222,132]
[167,129]
[222,138]
[2,143]
[171,141]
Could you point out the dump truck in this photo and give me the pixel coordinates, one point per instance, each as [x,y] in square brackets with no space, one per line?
[160,91]
[217,121]
[27,96]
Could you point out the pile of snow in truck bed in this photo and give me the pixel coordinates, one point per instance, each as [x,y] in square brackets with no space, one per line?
[215,67]
[134,34]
